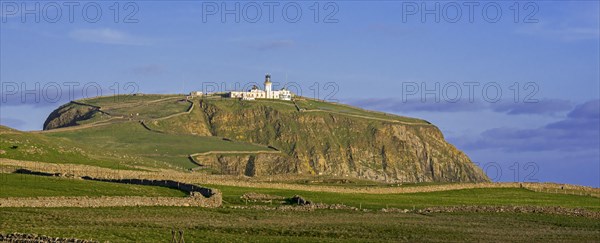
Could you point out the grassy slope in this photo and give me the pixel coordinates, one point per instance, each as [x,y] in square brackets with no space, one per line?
[310,104]
[184,124]
[124,107]
[192,123]
[134,107]
[125,100]
[152,110]
[39,147]
[20,185]
[121,143]
[131,138]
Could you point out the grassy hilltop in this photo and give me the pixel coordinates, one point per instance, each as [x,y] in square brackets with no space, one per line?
[264,137]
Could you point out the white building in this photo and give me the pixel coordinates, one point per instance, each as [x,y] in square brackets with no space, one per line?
[268,93]
[196,93]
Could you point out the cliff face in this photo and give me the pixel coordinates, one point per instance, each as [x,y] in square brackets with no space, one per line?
[322,143]
[249,164]
[68,115]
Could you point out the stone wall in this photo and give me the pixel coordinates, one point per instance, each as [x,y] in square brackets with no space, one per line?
[198,196]
[186,187]
[577,212]
[94,202]
[20,237]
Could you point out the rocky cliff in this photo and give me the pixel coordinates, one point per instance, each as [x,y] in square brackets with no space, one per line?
[314,141]
[328,143]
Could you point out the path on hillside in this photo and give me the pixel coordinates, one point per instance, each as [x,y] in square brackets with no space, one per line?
[191,108]
[126,105]
[108,121]
[193,159]
[300,109]
[370,118]
[188,111]
[266,151]
[280,102]
[149,128]
[78,127]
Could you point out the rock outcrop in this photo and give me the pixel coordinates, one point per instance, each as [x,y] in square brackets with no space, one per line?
[69,114]
[321,143]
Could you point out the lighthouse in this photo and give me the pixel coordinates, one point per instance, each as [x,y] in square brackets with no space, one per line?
[267,93]
[268,86]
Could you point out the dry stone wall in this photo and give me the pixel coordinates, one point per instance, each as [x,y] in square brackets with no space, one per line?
[20,237]
[186,187]
[95,202]
[199,196]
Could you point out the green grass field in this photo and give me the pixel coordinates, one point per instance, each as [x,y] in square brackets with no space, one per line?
[152,110]
[154,224]
[22,185]
[131,138]
[151,224]
[39,147]
[481,196]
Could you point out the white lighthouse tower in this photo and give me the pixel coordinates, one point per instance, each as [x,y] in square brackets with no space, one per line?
[267,93]
[268,86]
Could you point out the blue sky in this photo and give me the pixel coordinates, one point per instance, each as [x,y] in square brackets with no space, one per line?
[373,51]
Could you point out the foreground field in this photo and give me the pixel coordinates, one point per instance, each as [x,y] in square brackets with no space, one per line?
[21,185]
[241,221]
[238,225]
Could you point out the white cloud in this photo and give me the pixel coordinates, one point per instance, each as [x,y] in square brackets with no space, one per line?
[107,36]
